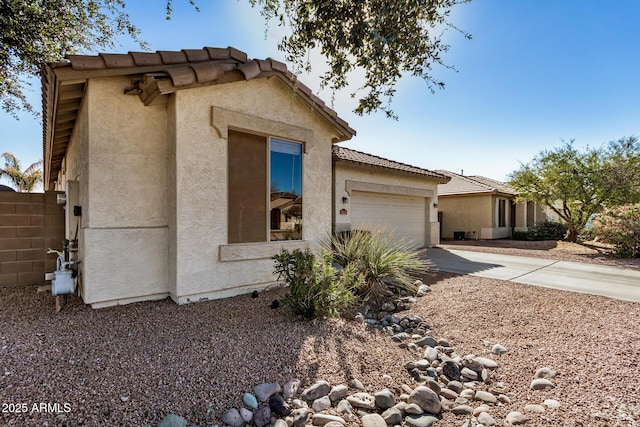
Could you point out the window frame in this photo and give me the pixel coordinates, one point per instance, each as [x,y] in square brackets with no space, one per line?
[268,189]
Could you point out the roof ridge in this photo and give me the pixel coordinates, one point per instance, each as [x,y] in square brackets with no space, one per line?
[469,178]
[399,165]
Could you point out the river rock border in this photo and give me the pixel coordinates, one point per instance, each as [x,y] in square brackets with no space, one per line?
[444,382]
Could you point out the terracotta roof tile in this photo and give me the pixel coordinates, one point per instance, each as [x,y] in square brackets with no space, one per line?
[173,57]
[196,55]
[251,70]
[349,155]
[185,68]
[146,58]
[182,76]
[84,62]
[117,60]
[278,66]
[218,52]
[265,65]
[237,54]
[206,72]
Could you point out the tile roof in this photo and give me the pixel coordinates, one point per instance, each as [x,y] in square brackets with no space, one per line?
[63,85]
[354,156]
[474,184]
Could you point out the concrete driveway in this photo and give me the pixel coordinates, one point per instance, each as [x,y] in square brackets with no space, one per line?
[614,282]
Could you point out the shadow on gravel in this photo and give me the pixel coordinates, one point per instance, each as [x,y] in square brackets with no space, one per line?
[134,364]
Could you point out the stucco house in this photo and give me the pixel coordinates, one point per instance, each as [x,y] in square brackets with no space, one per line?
[372,192]
[476,207]
[185,171]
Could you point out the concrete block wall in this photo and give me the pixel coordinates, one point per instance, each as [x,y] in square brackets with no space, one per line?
[29,224]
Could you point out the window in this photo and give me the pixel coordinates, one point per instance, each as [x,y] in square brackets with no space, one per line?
[265,189]
[502,217]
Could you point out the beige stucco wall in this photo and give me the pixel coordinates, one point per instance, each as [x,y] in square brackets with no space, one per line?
[205,266]
[386,183]
[155,223]
[476,215]
[119,156]
[465,213]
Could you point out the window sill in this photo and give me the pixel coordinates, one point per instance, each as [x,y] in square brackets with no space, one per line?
[251,251]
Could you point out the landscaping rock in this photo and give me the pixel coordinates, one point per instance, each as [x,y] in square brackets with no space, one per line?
[338,393]
[321,404]
[362,400]
[551,404]
[431,354]
[232,418]
[545,373]
[462,410]
[426,399]
[299,417]
[384,399]
[262,416]
[319,389]
[344,407]
[516,418]
[487,363]
[173,420]
[469,374]
[486,419]
[413,409]
[392,416]
[264,391]
[426,342]
[322,419]
[485,396]
[250,400]
[451,370]
[246,415]
[541,384]
[356,384]
[290,388]
[498,349]
[279,407]
[373,420]
[420,420]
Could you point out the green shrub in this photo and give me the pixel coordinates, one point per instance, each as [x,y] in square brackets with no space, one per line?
[548,230]
[316,288]
[385,263]
[620,227]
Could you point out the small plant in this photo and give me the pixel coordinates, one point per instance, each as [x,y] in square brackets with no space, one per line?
[316,288]
[385,263]
[620,227]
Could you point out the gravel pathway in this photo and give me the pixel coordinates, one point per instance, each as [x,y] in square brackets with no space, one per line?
[132,365]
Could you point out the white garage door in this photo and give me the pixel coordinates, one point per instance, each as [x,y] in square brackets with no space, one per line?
[402,216]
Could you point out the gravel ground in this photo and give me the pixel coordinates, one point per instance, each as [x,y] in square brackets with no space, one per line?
[132,365]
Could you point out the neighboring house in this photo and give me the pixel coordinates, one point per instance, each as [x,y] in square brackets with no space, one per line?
[475,207]
[186,171]
[372,192]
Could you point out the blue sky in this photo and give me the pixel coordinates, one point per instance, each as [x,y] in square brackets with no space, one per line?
[535,72]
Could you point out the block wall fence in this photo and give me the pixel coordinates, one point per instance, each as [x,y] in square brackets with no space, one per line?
[29,224]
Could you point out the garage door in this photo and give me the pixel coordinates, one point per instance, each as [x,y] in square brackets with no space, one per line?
[402,216]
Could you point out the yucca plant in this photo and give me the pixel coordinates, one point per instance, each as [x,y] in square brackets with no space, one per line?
[386,263]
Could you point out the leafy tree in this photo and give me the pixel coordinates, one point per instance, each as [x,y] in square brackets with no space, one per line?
[576,185]
[384,38]
[24,181]
[34,32]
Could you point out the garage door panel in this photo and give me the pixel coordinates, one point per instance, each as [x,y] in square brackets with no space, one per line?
[402,216]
